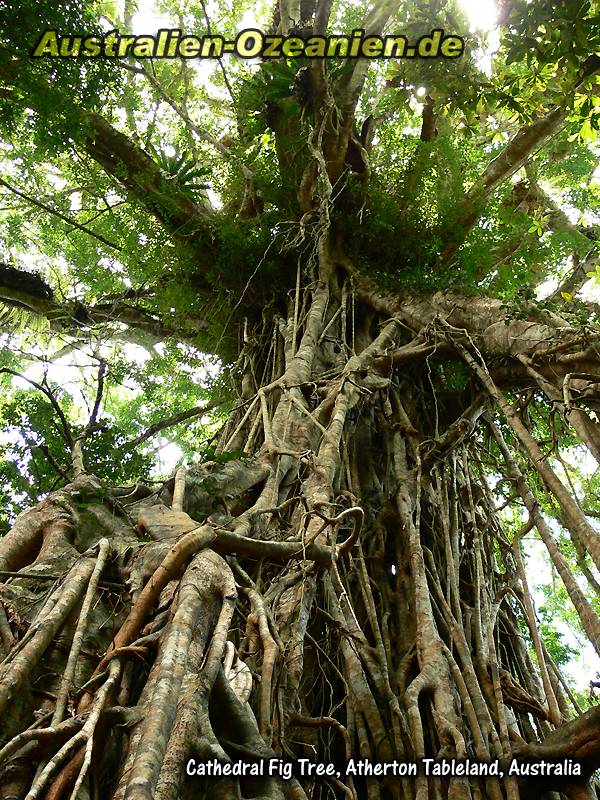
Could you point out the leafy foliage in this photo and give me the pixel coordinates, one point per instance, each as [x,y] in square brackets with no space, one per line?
[31,100]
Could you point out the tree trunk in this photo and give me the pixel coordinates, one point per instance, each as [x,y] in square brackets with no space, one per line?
[336,587]
[342,591]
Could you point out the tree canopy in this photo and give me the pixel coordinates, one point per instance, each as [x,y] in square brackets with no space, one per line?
[176,212]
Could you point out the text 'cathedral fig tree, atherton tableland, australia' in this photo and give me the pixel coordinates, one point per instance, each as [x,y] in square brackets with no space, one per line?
[300,369]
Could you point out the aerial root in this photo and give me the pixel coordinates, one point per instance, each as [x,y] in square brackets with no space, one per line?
[177,556]
[83,737]
[82,623]
[123,644]
[270,652]
[19,663]
[331,722]
[183,673]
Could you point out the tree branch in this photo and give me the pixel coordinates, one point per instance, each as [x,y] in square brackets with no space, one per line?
[188,222]
[99,392]
[373,25]
[21,289]
[558,220]
[574,280]
[517,152]
[133,168]
[203,135]
[58,214]
[46,391]
[322,13]
[169,422]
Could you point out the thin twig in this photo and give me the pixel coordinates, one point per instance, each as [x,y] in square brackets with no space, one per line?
[58,214]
